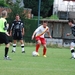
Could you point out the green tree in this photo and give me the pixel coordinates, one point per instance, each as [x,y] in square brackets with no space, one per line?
[16,9]
[3,3]
[9,2]
[45,6]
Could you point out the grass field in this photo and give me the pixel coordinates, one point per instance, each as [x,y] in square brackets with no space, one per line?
[58,62]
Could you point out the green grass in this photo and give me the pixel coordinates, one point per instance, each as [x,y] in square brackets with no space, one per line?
[56,63]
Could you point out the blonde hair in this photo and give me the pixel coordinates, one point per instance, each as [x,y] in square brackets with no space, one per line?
[4,13]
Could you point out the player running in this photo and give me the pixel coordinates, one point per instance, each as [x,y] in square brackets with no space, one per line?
[72,25]
[38,34]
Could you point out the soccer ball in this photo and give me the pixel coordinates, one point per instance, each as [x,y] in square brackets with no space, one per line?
[34,53]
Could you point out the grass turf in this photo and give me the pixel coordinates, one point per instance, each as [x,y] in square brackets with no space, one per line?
[58,62]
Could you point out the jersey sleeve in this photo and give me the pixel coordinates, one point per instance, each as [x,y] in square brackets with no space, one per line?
[22,24]
[5,25]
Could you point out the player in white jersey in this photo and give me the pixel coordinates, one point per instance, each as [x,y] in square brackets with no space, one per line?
[72,46]
[38,34]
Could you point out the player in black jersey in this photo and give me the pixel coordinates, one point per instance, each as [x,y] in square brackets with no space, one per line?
[17,32]
[72,25]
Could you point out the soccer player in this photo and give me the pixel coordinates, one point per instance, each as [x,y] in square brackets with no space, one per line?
[4,34]
[17,32]
[38,34]
[72,25]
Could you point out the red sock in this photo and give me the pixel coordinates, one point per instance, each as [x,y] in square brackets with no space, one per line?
[37,47]
[44,51]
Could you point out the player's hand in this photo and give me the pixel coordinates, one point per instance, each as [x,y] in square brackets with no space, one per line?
[7,34]
[68,34]
[50,36]
[10,34]
[22,34]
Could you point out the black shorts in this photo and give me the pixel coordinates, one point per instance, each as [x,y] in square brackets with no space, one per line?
[4,38]
[17,36]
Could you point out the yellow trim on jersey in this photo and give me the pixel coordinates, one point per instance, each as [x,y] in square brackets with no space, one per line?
[42,32]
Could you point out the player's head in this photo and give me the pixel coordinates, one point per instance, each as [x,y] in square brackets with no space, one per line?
[4,14]
[70,22]
[45,23]
[17,17]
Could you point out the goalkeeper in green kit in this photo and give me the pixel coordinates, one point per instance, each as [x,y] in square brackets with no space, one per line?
[4,34]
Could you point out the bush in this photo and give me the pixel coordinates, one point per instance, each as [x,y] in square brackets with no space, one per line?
[36,17]
[55,17]
[30,26]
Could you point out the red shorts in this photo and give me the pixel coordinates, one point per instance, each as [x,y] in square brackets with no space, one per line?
[43,40]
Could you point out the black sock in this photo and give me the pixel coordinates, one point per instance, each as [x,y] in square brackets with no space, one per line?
[72,51]
[6,51]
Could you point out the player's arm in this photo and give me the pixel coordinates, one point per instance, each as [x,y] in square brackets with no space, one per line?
[33,35]
[35,32]
[49,35]
[10,32]
[11,29]
[48,32]
[22,31]
[6,27]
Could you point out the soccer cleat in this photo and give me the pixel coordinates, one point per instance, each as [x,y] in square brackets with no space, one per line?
[38,54]
[23,51]
[44,56]
[72,58]
[7,58]
[13,51]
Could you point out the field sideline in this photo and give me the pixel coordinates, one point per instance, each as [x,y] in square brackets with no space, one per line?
[58,62]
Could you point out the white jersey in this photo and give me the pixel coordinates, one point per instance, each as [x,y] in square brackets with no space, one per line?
[40,30]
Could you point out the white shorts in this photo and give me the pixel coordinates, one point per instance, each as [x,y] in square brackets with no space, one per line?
[72,44]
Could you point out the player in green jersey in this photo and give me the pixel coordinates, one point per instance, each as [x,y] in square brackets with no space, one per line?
[4,34]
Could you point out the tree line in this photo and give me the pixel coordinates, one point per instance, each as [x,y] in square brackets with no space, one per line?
[45,10]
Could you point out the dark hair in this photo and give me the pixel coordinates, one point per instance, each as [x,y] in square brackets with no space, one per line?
[17,14]
[70,20]
[45,21]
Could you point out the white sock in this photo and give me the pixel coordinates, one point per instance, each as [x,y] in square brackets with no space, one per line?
[22,46]
[73,52]
[14,47]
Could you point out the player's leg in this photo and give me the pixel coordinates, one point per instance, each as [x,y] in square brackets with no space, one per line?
[14,46]
[38,45]
[6,52]
[38,42]
[14,41]
[44,46]
[44,50]
[6,41]
[20,37]
[72,49]
[22,46]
